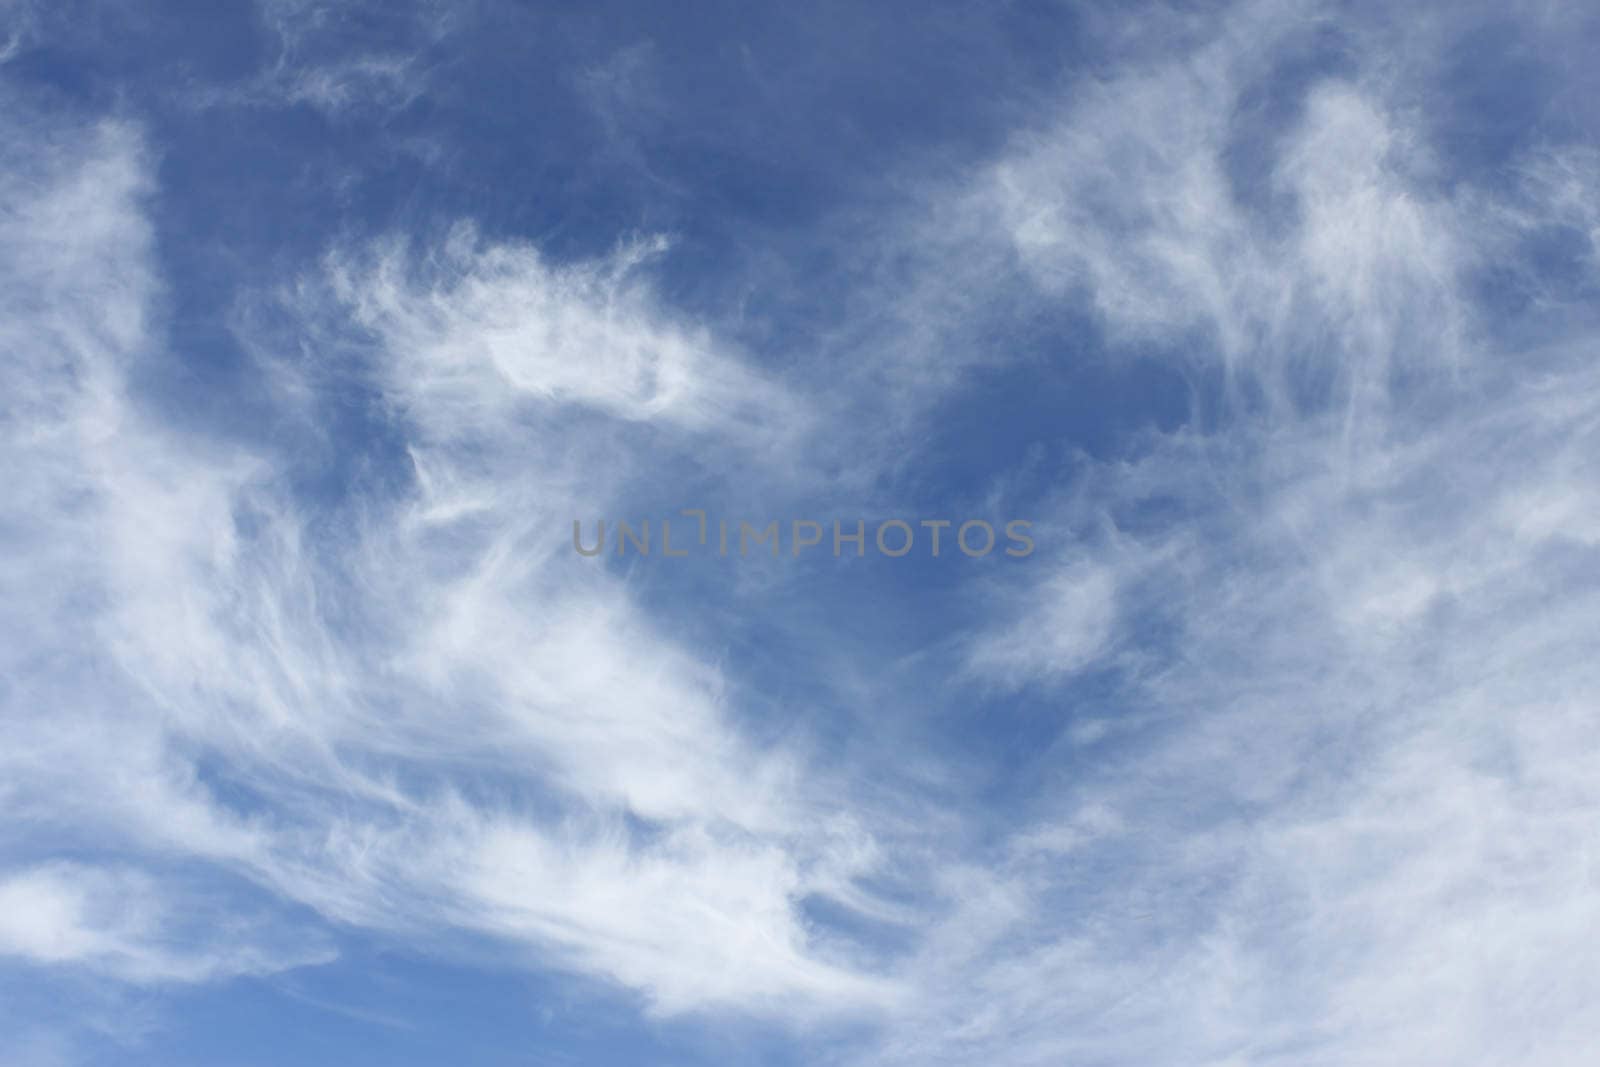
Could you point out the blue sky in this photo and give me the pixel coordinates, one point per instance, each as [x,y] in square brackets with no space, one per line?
[323,322]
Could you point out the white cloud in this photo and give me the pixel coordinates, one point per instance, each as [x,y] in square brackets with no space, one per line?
[1354,824]
[474,332]
[321,59]
[129,926]
[1346,817]
[1063,625]
[438,719]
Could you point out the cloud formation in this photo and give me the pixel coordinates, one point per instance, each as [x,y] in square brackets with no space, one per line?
[1296,711]
[422,722]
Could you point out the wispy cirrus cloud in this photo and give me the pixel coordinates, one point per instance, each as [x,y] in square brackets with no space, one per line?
[130,926]
[1317,783]
[428,724]
[1345,816]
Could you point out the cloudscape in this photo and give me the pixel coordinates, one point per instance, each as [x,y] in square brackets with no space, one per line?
[1021,533]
